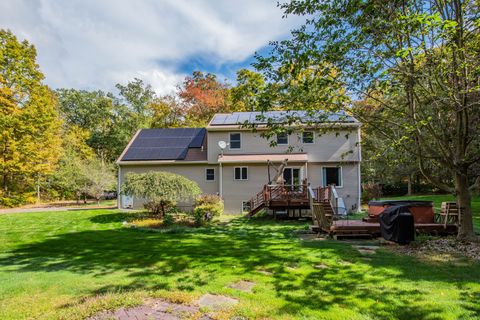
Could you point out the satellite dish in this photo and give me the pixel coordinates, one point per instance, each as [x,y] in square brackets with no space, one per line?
[222,144]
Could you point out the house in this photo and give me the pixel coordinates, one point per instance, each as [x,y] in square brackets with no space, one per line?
[233,160]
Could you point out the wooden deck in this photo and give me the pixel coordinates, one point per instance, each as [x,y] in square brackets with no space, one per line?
[359,227]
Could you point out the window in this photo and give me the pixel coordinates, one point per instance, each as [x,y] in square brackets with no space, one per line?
[241,173]
[245,206]
[210,174]
[332,175]
[307,137]
[235,141]
[282,138]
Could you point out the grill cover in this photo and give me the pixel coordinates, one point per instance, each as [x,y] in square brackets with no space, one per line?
[396,224]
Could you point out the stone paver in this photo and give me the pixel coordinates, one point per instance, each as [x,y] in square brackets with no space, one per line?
[243,285]
[366,250]
[216,302]
[156,310]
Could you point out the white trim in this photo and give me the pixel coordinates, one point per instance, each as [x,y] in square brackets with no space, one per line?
[341,175]
[313,137]
[230,140]
[234,169]
[359,172]
[262,127]
[128,146]
[152,162]
[214,175]
[245,201]
[283,144]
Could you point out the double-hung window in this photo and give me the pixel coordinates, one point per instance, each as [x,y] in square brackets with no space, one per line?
[241,173]
[282,138]
[235,140]
[210,174]
[308,137]
[245,206]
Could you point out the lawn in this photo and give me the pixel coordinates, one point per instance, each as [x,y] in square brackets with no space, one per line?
[438,199]
[68,265]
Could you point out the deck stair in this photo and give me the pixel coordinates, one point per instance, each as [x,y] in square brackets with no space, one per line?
[280,197]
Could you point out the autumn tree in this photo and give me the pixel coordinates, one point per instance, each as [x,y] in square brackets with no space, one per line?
[203,96]
[30,140]
[418,59]
[166,112]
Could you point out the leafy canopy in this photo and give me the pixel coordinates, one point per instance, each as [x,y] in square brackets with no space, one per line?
[160,186]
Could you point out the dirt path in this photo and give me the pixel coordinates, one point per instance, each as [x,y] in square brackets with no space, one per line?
[53,209]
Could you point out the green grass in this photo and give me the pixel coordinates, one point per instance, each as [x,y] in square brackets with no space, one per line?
[68,265]
[437,202]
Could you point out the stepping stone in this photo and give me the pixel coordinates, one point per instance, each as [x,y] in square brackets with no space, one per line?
[366,249]
[216,302]
[265,272]
[157,309]
[243,285]
[321,266]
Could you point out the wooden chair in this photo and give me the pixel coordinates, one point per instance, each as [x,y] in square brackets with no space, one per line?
[324,221]
[449,213]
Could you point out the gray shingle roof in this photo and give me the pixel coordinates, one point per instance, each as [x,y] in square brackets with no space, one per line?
[237,118]
[164,144]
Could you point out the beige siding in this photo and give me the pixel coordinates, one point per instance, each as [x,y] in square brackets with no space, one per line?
[328,147]
[236,191]
[349,190]
[195,172]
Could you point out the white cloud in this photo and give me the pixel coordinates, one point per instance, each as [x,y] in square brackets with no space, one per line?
[97,43]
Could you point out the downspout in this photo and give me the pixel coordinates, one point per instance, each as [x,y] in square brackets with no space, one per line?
[359,172]
[220,175]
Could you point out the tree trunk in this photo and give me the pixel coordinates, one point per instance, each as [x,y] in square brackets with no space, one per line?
[162,205]
[409,185]
[464,198]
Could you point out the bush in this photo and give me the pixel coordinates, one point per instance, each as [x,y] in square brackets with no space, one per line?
[207,206]
[17,200]
[158,207]
[371,191]
[161,189]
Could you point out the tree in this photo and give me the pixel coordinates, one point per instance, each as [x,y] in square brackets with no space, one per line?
[137,96]
[105,119]
[419,60]
[203,96]
[247,92]
[167,112]
[30,140]
[99,177]
[160,189]
[69,179]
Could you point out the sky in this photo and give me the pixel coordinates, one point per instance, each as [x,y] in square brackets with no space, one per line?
[94,44]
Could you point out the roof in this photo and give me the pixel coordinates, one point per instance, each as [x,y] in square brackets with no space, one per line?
[239,118]
[263,157]
[166,144]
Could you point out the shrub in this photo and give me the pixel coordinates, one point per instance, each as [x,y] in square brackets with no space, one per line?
[148,223]
[371,191]
[207,206]
[160,189]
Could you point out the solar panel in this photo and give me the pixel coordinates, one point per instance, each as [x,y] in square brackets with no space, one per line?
[164,144]
[198,139]
[278,116]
